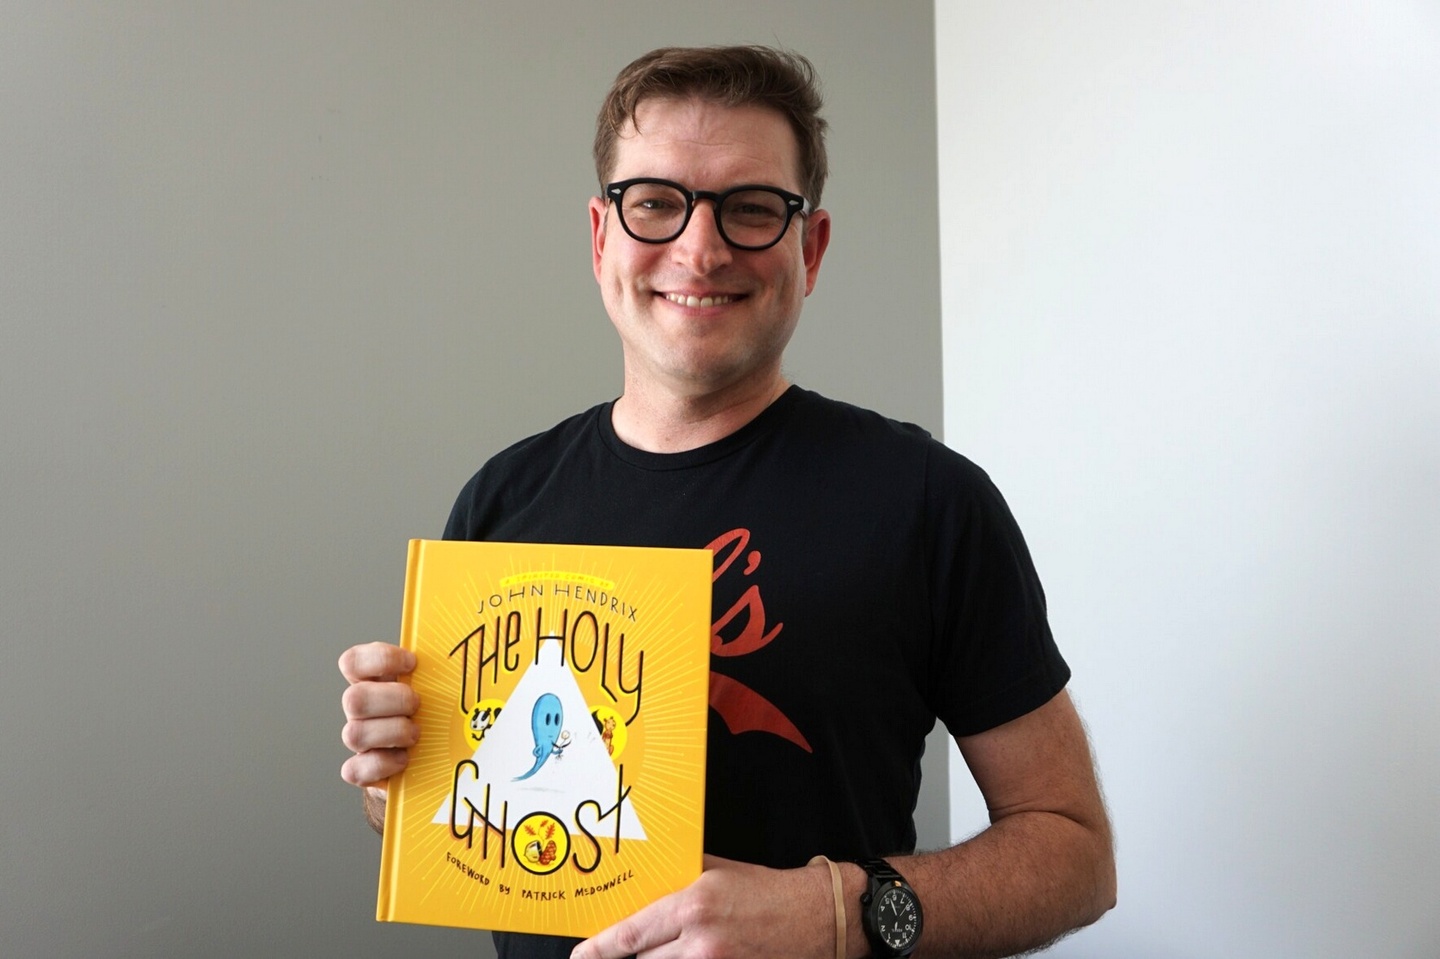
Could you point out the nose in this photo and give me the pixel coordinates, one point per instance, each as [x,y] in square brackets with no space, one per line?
[701,248]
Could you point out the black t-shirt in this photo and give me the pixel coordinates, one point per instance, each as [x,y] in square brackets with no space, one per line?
[867,580]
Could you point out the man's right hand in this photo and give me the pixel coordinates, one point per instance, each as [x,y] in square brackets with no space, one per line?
[378,728]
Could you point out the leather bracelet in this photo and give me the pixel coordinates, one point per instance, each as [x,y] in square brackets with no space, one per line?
[838,888]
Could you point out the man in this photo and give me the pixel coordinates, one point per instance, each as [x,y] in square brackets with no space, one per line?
[867,579]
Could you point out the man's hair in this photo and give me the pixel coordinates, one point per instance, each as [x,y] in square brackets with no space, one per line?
[732,76]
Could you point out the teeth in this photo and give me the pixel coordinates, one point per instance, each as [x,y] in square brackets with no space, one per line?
[683,300]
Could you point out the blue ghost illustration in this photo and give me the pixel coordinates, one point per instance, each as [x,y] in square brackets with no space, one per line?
[550,739]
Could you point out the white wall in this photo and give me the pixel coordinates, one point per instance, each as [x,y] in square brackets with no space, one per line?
[1191,289]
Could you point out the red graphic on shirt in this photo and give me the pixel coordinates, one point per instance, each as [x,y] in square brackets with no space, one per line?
[743,709]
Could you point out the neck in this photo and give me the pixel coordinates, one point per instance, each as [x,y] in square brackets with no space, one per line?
[668,423]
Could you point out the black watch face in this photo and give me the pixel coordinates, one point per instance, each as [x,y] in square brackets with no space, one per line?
[897,918]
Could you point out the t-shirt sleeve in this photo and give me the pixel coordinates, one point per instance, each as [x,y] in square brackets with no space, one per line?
[460,524]
[993,658]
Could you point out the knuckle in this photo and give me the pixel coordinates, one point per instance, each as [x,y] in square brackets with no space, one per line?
[368,661]
[374,700]
[354,701]
[373,766]
[627,938]
[358,770]
[351,736]
[696,912]
[355,662]
[389,734]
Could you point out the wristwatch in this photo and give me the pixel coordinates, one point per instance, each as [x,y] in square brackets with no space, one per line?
[889,910]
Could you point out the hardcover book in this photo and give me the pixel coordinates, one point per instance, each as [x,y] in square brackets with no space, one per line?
[559,781]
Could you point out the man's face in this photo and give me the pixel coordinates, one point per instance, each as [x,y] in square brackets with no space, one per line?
[695,315]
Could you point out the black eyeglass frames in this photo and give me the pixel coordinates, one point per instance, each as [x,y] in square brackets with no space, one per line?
[749,217]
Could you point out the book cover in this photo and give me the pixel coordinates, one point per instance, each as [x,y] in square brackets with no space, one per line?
[559,781]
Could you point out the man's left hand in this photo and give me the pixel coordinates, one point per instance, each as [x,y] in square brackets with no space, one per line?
[733,909]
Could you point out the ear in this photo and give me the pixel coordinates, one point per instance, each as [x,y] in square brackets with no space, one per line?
[814,240]
[599,209]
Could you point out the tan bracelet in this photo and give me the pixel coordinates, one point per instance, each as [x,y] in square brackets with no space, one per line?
[838,888]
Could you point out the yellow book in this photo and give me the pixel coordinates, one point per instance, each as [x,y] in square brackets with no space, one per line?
[559,781]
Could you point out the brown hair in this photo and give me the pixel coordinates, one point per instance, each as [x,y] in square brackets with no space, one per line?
[733,76]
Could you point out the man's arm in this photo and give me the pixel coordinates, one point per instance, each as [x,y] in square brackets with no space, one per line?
[378,728]
[1046,864]
[1044,867]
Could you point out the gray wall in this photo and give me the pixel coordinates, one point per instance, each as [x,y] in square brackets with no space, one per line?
[1192,326]
[274,279]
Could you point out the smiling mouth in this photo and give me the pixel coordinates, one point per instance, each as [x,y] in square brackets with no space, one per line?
[681,299]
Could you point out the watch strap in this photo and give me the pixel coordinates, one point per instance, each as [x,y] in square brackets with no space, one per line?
[879,870]
[879,875]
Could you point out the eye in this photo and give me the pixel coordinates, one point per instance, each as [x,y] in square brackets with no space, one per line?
[653,200]
[755,207]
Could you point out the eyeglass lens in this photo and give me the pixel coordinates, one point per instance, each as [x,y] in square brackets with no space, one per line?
[655,211]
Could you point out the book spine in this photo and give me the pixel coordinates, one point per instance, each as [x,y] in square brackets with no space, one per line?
[394,796]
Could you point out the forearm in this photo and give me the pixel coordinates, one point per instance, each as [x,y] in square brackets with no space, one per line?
[374,807]
[1044,867]
[1024,882]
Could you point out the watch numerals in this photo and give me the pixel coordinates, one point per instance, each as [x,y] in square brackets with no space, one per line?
[892,916]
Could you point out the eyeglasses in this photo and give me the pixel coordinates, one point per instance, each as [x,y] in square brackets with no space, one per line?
[748,217]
